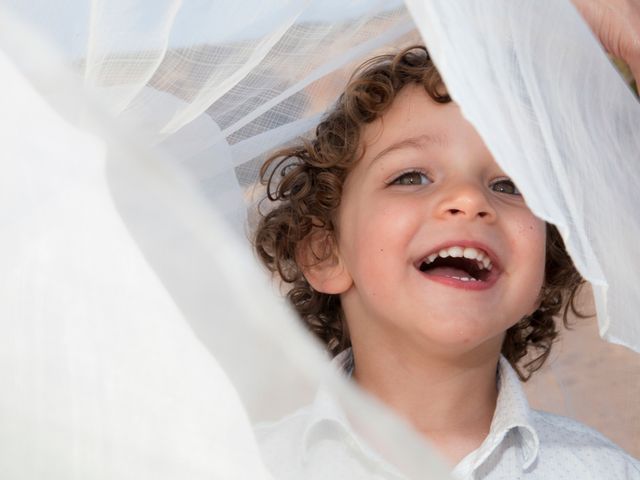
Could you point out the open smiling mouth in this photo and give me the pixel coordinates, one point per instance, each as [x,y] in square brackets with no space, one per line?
[460,267]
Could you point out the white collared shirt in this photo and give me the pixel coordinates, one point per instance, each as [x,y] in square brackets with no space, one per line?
[316,442]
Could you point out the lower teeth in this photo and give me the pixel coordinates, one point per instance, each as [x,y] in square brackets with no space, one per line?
[466,279]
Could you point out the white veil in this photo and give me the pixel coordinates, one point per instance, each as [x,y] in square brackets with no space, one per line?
[139,338]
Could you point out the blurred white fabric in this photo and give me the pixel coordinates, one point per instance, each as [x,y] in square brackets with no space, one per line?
[102,378]
[139,339]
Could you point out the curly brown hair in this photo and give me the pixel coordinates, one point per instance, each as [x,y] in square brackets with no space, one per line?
[305,183]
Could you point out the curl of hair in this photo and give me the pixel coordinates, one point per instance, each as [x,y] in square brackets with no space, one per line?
[533,336]
[304,184]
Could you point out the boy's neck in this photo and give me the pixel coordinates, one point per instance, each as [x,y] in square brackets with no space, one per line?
[451,400]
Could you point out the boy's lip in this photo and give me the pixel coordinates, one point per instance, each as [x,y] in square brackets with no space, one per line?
[485,284]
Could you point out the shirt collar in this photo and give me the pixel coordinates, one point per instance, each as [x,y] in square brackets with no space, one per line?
[512,412]
[325,412]
[327,419]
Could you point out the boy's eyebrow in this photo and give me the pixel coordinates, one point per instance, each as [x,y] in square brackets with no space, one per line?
[420,141]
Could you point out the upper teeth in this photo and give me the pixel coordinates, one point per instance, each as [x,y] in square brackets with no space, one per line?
[467,252]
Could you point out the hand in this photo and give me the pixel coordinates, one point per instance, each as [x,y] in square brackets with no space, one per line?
[617,24]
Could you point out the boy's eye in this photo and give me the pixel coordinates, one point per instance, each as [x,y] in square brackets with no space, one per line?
[411,178]
[505,186]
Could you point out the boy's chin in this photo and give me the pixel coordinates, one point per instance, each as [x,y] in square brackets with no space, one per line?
[462,340]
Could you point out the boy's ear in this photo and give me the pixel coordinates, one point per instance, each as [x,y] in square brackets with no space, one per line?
[319,259]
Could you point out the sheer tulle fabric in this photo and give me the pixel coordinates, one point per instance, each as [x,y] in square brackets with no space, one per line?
[139,338]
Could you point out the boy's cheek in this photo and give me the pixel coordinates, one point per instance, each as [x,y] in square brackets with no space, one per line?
[535,231]
[532,225]
[530,231]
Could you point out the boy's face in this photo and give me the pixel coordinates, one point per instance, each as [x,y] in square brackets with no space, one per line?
[427,183]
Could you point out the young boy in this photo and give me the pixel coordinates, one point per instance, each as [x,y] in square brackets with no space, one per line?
[413,257]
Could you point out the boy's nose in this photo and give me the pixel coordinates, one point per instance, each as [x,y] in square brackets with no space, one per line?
[466,200]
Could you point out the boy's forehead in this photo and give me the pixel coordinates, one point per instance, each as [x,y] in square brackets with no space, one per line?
[420,142]
[414,119]
[416,123]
